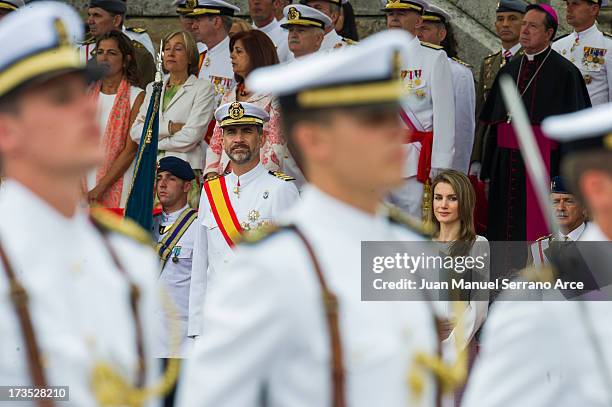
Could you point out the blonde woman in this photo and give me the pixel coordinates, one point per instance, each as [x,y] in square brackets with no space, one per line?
[187,106]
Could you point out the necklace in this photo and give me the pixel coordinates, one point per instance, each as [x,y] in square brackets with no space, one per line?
[241,90]
[509,117]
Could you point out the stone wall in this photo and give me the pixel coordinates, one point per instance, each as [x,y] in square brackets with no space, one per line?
[473,21]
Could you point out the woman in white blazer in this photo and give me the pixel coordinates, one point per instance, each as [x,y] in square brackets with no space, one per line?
[187,106]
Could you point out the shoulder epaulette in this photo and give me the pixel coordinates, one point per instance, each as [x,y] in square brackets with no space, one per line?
[213,177]
[543,238]
[492,55]
[461,62]
[538,274]
[349,41]
[396,215]
[607,34]
[137,30]
[137,44]
[281,175]
[261,233]
[90,39]
[110,222]
[432,46]
[561,37]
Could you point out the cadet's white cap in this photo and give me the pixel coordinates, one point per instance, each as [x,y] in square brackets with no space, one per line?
[408,5]
[43,52]
[211,7]
[304,16]
[364,74]
[588,129]
[240,113]
[436,15]
[11,5]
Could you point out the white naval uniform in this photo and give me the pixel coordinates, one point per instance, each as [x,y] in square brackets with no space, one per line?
[465,114]
[142,38]
[543,244]
[332,40]
[577,47]
[593,233]
[430,106]
[262,199]
[174,279]
[279,37]
[79,301]
[217,66]
[266,333]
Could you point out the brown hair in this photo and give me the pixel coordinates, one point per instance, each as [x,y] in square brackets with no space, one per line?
[467,201]
[258,46]
[241,24]
[130,68]
[192,50]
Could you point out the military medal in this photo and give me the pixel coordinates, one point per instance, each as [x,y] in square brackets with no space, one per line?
[175,253]
[237,189]
[417,81]
[588,79]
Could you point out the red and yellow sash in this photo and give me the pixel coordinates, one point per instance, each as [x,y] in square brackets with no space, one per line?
[218,198]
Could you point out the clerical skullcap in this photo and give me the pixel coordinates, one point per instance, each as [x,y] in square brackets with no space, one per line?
[407,5]
[585,130]
[435,14]
[240,113]
[211,7]
[363,75]
[44,52]
[301,15]
[517,6]
[11,5]
[177,167]
[112,6]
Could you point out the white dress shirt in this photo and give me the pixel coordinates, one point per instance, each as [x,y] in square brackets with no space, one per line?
[175,279]
[266,334]
[591,52]
[429,103]
[262,198]
[79,301]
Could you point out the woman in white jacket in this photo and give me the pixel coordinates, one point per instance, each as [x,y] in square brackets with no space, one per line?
[187,106]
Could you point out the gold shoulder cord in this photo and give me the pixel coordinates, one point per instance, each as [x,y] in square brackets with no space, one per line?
[110,388]
[449,376]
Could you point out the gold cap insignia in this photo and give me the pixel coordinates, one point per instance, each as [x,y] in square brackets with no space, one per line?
[394,1]
[293,14]
[60,28]
[191,4]
[236,111]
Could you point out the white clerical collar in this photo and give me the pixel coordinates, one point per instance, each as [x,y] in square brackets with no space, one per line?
[172,216]
[586,32]
[512,50]
[575,234]
[530,57]
[267,28]
[247,177]
[220,46]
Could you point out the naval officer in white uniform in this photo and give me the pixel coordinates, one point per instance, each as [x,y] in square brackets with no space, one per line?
[435,30]
[332,8]
[559,352]
[77,293]
[428,107]
[588,48]
[284,324]
[244,200]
